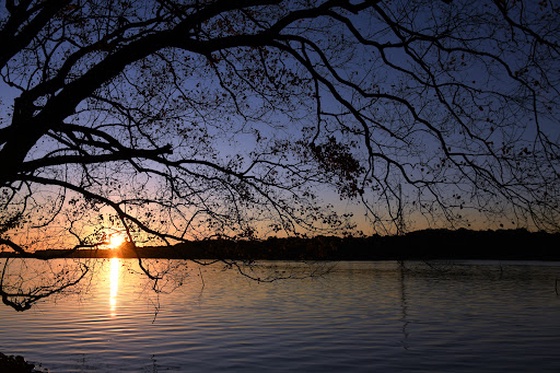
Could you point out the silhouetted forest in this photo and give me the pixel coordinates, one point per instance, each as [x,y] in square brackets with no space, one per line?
[428,244]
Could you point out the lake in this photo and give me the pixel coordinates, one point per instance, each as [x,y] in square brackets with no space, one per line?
[356,317]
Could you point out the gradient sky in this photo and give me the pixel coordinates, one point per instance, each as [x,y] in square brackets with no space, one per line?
[365,66]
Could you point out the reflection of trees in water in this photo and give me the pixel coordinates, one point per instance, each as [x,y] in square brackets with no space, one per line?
[24,282]
[404,305]
[457,276]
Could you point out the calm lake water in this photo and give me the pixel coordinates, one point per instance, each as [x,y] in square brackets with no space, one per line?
[359,317]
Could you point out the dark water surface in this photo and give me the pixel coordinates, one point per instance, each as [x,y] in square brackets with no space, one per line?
[359,317]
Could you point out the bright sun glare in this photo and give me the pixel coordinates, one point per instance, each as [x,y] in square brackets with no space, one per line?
[115,241]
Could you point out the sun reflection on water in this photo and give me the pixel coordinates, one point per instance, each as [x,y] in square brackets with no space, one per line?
[114,284]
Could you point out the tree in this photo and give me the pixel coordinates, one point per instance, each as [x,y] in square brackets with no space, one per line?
[178,120]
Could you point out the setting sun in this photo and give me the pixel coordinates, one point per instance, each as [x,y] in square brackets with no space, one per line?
[116,240]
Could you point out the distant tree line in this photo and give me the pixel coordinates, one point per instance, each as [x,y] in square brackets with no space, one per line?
[429,244]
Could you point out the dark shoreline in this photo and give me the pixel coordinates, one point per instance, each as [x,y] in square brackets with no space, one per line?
[431,244]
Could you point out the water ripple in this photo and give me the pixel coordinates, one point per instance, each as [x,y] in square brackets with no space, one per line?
[361,317]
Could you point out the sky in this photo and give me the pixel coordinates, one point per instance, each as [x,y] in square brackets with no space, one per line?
[395,133]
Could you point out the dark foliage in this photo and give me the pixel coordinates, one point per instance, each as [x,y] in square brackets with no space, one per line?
[427,244]
[15,364]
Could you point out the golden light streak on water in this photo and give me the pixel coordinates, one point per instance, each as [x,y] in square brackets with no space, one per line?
[114,285]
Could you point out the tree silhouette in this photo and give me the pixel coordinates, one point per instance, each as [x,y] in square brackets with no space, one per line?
[180,120]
